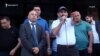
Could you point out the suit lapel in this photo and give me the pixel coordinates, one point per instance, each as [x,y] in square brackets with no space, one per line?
[29,32]
[38,30]
[28,27]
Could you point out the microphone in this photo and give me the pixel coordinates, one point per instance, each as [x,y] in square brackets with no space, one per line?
[63,17]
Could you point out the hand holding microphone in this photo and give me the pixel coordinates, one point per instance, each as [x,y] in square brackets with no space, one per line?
[63,19]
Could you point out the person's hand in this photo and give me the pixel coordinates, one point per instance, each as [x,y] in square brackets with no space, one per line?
[12,52]
[49,51]
[90,50]
[36,50]
[63,19]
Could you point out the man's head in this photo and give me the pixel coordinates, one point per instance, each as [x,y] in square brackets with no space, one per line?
[5,22]
[62,11]
[76,16]
[37,9]
[32,16]
[71,14]
[89,18]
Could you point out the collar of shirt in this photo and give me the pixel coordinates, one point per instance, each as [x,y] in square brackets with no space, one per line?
[39,18]
[93,22]
[79,23]
[31,23]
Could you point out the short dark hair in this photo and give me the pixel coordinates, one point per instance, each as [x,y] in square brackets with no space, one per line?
[89,15]
[36,6]
[4,17]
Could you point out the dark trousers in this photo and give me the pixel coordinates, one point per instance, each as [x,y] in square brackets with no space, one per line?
[96,50]
[4,53]
[83,52]
[63,50]
[44,51]
[54,53]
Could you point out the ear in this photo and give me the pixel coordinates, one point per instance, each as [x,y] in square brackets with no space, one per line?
[27,16]
[57,14]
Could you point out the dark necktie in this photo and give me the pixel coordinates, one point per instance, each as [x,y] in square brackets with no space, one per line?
[34,33]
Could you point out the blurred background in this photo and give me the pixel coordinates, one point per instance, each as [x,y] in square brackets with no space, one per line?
[17,10]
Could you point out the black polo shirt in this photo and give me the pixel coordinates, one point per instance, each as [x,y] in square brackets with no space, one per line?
[8,38]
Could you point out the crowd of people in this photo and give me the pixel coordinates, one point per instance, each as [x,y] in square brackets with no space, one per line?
[67,36]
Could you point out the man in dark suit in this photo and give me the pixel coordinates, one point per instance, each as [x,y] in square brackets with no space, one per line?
[32,36]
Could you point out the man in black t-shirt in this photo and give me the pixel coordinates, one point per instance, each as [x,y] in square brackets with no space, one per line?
[9,41]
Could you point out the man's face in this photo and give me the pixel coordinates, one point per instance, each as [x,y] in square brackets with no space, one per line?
[38,10]
[5,23]
[71,15]
[32,16]
[76,16]
[88,19]
[62,13]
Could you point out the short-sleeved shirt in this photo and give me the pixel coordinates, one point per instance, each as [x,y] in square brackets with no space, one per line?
[8,38]
[95,33]
[82,37]
[43,23]
[66,35]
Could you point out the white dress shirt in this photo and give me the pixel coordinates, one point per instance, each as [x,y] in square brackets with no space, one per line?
[66,35]
[31,25]
[95,34]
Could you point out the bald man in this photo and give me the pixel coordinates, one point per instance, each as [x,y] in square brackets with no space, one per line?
[32,36]
[84,36]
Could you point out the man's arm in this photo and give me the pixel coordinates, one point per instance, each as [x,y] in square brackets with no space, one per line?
[90,41]
[43,39]
[55,30]
[47,37]
[90,34]
[12,52]
[48,42]
[23,36]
